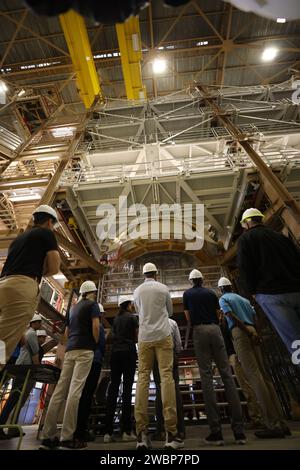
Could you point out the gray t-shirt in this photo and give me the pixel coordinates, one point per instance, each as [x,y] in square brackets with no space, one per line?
[30,348]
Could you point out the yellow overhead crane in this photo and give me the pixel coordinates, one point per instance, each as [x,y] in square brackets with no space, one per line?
[129,37]
[76,36]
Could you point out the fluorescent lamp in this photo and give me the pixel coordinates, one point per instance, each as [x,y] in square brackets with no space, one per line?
[44,159]
[30,197]
[21,92]
[60,132]
[269,54]
[281,20]
[159,66]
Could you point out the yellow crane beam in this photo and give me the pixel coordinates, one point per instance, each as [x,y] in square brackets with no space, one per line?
[77,39]
[129,37]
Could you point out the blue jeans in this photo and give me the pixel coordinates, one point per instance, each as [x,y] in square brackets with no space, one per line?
[283,311]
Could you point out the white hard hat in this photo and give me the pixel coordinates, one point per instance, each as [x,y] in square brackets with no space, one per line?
[87,286]
[223,281]
[149,268]
[46,210]
[41,333]
[195,274]
[36,317]
[252,212]
[101,308]
[124,298]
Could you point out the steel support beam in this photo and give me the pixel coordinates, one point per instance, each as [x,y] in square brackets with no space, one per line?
[129,37]
[274,188]
[83,61]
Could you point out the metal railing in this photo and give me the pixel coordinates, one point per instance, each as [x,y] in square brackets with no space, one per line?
[124,283]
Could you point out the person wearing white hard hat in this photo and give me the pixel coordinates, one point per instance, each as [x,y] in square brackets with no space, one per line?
[29,355]
[241,318]
[82,333]
[154,306]
[122,364]
[269,269]
[82,435]
[201,308]
[31,255]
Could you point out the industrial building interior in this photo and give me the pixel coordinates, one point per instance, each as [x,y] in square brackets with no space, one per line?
[188,104]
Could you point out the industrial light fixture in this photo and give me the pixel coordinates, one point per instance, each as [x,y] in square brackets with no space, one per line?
[281,20]
[60,132]
[269,54]
[25,198]
[159,66]
[21,92]
[45,159]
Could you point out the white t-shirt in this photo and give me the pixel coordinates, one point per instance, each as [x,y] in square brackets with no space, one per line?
[154,305]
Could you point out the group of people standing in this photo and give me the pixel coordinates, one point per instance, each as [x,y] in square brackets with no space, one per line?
[269,269]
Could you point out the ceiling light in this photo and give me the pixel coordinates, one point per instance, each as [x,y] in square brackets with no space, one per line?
[59,132]
[281,20]
[269,54]
[30,197]
[44,159]
[21,92]
[159,65]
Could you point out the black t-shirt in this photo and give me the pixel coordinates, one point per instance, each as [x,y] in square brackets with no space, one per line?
[202,304]
[124,332]
[27,253]
[268,262]
[80,325]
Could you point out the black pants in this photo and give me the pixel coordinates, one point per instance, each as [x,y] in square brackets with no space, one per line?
[158,403]
[86,400]
[14,396]
[121,363]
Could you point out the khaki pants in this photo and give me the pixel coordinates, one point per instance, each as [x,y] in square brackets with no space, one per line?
[163,352]
[253,365]
[18,301]
[252,403]
[76,368]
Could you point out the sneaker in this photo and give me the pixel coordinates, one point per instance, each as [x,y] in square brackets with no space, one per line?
[240,438]
[270,434]
[174,442]
[49,444]
[215,439]
[142,441]
[108,438]
[66,445]
[128,437]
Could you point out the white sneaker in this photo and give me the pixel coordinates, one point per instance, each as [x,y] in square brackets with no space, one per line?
[173,442]
[142,441]
[107,438]
[128,437]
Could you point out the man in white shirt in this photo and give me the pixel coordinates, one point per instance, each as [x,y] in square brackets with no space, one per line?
[154,306]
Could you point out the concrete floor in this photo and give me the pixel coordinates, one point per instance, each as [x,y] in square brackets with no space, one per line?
[193,441]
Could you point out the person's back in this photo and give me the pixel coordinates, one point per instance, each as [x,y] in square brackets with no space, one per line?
[202,303]
[27,253]
[268,261]
[124,332]
[241,307]
[80,325]
[153,303]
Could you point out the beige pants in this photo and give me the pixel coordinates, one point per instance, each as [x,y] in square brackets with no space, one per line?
[18,301]
[252,403]
[163,351]
[252,362]
[76,368]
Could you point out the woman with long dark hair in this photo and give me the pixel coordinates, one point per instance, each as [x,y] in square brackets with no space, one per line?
[122,363]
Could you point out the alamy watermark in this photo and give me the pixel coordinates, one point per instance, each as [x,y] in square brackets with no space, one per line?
[296,353]
[159,221]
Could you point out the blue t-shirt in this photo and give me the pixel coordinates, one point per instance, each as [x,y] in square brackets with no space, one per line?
[100,348]
[81,325]
[241,307]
